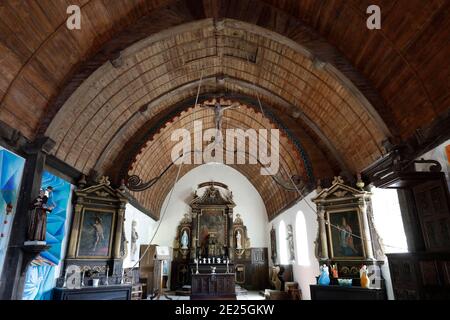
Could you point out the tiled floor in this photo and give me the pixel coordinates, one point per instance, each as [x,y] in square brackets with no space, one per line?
[250,295]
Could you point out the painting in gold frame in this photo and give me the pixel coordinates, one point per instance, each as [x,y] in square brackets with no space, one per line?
[345,234]
[95,234]
[212,222]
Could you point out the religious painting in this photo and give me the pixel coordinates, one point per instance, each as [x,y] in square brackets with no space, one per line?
[273,245]
[96,234]
[212,231]
[11,169]
[344,231]
[447,167]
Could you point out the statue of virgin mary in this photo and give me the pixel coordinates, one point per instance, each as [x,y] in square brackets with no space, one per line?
[184,240]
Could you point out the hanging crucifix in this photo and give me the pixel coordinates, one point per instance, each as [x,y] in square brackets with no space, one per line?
[219,108]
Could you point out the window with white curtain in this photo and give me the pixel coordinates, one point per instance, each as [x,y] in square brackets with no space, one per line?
[283,243]
[301,236]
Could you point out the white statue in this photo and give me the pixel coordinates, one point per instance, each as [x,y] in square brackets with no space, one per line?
[134,238]
[238,240]
[184,240]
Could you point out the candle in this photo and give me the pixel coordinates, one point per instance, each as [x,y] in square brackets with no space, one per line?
[65,280]
[82,278]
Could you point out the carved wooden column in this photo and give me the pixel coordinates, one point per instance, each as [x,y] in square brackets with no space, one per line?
[72,249]
[194,235]
[366,229]
[118,231]
[230,246]
[323,233]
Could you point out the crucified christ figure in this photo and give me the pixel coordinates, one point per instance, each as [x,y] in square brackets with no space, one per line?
[218,112]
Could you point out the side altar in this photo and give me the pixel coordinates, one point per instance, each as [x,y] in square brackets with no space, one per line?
[209,240]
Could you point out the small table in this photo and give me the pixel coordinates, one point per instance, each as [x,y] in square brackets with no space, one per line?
[333,292]
[112,292]
[213,286]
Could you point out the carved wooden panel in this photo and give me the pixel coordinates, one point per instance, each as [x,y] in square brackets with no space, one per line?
[420,275]
[434,214]
[213,285]
[429,273]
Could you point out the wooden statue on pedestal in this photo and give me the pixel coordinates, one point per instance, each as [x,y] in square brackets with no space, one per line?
[240,239]
[37,224]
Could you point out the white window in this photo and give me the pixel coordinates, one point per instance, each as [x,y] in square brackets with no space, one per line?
[283,243]
[301,236]
[388,220]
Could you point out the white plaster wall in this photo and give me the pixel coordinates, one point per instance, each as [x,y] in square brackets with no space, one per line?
[439,154]
[249,203]
[303,274]
[145,228]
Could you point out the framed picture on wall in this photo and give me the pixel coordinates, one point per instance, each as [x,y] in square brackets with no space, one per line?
[273,245]
[212,224]
[344,234]
[95,236]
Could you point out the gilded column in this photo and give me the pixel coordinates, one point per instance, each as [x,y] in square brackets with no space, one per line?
[72,250]
[366,230]
[119,226]
[323,233]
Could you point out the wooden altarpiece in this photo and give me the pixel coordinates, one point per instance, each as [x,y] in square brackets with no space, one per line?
[212,234]
[97,241]
[347,236]
[212,223]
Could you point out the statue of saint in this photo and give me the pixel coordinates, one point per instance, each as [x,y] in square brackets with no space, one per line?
[37,224]
[134,238]
[290,239]
[184,240]
[346,239]
[98,233]
[212,245]
[238,240]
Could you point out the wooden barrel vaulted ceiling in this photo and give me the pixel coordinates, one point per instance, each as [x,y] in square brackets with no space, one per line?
[110,94]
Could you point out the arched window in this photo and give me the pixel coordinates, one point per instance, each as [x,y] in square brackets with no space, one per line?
[301,236]
[283,243]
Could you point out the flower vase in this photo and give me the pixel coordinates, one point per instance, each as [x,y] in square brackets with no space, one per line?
[324,278]
[365,281]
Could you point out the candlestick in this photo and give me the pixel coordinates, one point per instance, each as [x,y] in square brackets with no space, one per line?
[107,276]
[82,278]
[65,280]
[196,271]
